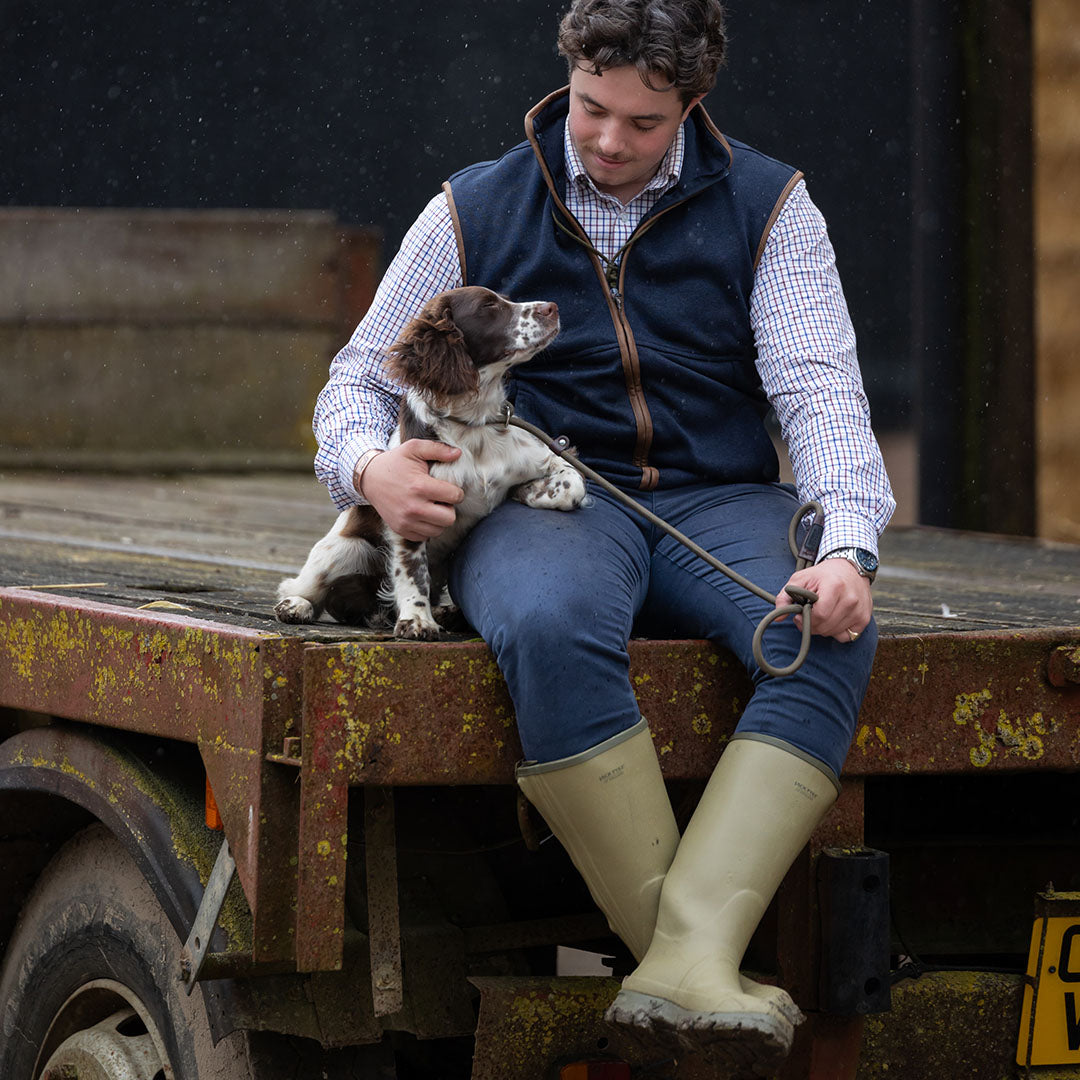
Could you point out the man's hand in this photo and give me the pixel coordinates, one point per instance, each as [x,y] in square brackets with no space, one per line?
[412,502]
[844,602]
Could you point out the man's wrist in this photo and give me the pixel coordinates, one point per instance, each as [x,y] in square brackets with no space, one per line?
[366,458]
[865,562]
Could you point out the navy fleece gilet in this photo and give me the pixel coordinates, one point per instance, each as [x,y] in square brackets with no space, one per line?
[655,382]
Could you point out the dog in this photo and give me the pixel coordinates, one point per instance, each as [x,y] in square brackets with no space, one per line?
[452,360]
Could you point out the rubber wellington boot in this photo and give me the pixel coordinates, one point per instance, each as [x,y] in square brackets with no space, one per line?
[609,808]
[758,810]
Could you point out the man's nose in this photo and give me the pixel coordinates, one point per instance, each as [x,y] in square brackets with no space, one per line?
[611,139]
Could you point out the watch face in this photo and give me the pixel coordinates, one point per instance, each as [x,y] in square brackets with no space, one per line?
[867,560]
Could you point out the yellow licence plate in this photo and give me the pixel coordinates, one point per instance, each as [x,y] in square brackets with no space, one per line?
[1050,1015]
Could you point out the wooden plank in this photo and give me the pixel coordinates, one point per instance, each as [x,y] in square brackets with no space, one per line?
[1056,35]
[184,266]
[81,393]
[172,339]
[264,518]
[215,545]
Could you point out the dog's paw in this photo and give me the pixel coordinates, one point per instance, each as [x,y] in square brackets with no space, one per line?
[415,628]
[295,609]
[562,490]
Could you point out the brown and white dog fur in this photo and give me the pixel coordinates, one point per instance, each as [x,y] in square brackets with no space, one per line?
[451,359]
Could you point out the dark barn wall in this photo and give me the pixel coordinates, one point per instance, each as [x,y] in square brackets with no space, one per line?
[364,109]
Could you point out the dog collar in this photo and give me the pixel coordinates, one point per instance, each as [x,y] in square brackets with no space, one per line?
[503,417]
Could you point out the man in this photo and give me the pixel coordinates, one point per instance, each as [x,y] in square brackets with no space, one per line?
[696,286]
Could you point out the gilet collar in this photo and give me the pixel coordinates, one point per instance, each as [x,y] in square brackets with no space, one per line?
[708,156]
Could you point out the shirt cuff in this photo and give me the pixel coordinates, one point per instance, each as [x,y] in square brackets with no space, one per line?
[845,529]
[355,455]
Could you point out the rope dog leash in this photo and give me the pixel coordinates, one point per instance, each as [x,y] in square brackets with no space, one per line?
[804,553]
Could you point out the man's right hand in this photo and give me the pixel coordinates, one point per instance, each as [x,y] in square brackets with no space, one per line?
[413,503]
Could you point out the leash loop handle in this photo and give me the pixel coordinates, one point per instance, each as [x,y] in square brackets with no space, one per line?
[808,599]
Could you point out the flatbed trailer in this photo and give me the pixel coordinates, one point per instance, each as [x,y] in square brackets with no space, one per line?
[395,909]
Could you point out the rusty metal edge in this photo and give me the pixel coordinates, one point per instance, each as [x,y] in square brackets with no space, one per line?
[921,714]
[230,690]
[94,635]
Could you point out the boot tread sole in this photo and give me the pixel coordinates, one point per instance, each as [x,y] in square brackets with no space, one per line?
[745,1044]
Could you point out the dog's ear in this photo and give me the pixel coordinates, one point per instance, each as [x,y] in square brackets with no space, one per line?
[430,354]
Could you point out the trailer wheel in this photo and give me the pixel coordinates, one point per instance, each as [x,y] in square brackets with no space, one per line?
[91,980]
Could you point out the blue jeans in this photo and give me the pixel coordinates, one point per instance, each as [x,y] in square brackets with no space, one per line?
[557,596]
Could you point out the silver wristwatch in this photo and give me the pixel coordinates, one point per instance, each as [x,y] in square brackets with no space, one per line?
[866,562]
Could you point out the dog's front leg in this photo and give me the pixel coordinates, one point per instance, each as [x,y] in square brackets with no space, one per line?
[561,487]
[411,585]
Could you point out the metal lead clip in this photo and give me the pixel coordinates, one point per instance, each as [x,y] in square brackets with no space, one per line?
[808,550]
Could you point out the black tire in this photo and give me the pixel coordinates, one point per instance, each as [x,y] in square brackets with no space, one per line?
[91,942]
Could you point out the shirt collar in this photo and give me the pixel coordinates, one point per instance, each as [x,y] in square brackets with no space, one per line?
[667,175]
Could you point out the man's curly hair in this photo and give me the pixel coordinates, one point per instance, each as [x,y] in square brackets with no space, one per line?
[674,44]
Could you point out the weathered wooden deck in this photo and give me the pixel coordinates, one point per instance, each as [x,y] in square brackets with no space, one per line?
[218,544]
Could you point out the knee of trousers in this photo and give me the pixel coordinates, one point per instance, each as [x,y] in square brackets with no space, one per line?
[816,709]
[563,655]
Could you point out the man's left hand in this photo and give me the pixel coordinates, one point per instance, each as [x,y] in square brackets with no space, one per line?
[844,604]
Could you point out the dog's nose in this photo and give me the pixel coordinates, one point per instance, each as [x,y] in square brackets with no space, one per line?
[549,310]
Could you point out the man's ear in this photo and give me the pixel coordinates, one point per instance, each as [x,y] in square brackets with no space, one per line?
[690,106]
[430,354]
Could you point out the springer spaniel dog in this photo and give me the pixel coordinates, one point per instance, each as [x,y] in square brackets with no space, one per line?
[451,359]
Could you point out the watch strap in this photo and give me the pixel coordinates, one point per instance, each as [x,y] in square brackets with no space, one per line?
[852,554]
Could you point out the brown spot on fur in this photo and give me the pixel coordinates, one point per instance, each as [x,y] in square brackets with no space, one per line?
[455,334]
[415,565]
[431,354]
[484,318]
[411,427]
[363,523]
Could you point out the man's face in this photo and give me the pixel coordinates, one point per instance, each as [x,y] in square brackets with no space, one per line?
[622,129]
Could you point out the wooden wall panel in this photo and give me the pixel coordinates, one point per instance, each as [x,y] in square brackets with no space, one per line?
[172,338]
[1057,238]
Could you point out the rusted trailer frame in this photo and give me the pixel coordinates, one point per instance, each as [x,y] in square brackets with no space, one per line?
[228,690]
[289,724]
